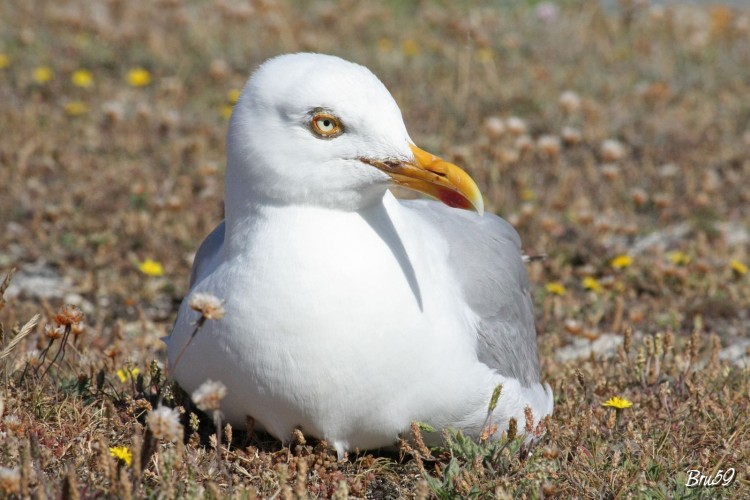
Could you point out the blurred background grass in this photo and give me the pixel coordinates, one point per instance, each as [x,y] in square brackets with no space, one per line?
[616,139]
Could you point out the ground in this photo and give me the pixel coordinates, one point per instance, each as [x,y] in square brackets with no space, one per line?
[616,141]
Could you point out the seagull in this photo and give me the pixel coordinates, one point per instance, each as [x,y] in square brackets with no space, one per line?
[351,313]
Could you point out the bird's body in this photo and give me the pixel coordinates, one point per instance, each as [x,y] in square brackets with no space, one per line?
[349,314]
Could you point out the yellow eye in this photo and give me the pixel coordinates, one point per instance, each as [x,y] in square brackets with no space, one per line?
[326,125]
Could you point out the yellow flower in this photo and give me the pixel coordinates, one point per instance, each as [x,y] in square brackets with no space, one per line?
[4,60]
[125,375]
[555,288]
[678,258]
[410,47]
[139,77]
[738,266]
[76,108]
[621,261]
[233,96]
[485,54]
[226,111]
[385,45]
[617,403]
[122,453]
[151,268]
[42,74]
[82,78]
[591,283]
[527,194]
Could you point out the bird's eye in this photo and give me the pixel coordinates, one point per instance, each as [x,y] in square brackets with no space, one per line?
[326,126]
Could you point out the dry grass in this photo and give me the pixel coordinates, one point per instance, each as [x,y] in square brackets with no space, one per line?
[98,179]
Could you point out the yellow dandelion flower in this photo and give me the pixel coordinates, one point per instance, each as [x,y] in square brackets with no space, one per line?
[592,284]
[233,96]
[410,47]
[485,54]
[738,267]
[82,78]
[124,375]
[226,111]
[122,453]
[617,403]
[151,268]
[4,60]
[678,258]
[555,288]
[385,45]
[621,261]
[42,74]
[76,108]
[138,77]
[527,194]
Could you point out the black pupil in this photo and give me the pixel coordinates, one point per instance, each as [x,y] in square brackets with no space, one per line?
[326,123]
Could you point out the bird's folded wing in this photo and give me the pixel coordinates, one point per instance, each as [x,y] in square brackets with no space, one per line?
[486,260]
[208,255]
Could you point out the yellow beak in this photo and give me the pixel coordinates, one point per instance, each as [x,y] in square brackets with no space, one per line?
[435,177]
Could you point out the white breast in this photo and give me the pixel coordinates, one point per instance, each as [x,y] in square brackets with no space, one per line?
[337,320]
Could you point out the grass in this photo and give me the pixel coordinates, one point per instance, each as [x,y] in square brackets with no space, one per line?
[646,158]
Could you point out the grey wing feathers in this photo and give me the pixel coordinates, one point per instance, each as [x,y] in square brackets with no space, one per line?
[208,255]
[495,285]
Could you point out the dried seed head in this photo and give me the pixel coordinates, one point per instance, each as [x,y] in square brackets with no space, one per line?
[78,330]
[68,315]
[659,345]
[628,340]
[12,423]
[53,332]
[529,419]
[10,480]
[164,423]
[694,344]
[299,438]
[208,305]
[549,144]
[516,125]
[639,196]
[512,429]
[649,343]
[209,395]
[616,458]
[571,135]
[640,359]
[495,127]
[570,102]
[612,150]
[611,420]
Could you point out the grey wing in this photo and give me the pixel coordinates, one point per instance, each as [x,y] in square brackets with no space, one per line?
[208,255]
[490,270]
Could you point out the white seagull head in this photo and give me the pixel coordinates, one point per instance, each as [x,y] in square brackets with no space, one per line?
[313,129]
